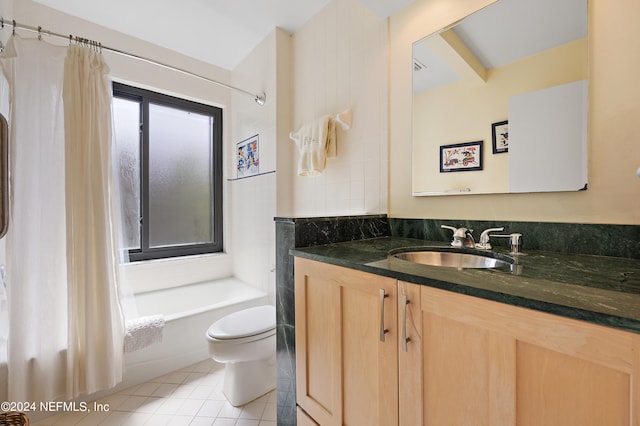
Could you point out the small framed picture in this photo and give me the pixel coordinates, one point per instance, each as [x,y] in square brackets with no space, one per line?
[461,157]
[500,135]
[248,159]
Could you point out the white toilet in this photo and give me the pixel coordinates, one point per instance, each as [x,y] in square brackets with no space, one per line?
[246,342]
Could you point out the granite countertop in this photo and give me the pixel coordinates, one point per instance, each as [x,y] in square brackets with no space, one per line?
[598,289]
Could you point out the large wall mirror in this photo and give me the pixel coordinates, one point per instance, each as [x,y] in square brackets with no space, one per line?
[500,101]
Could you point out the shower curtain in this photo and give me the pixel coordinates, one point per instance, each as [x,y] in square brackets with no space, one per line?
[65,325]
[96,324]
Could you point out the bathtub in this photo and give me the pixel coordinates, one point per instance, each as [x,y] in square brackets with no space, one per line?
[188,312]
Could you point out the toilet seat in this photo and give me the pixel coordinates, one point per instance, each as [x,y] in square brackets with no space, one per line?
[246,325]
[220,343]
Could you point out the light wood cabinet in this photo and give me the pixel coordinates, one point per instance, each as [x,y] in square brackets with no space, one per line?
[303,419]
[451,359]
[473,361]
[345,372]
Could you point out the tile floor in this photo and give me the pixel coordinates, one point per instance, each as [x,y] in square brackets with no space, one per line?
[191,396]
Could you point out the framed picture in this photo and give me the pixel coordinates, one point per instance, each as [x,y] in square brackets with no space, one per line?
[248,159]
[500,135]
[461,157]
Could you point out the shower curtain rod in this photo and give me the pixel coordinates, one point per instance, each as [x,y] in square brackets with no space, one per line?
[258,98]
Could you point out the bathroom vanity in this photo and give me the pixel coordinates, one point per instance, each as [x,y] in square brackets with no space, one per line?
[554,339]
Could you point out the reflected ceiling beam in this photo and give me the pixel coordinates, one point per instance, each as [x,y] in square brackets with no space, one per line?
[452,50]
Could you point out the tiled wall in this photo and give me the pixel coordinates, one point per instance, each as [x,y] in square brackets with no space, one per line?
[340,62]
[252,200]
[252,237]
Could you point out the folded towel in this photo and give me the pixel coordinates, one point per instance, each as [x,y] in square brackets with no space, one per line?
[315,142]
[142,332]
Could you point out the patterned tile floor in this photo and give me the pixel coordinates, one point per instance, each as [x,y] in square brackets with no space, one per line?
[190,396]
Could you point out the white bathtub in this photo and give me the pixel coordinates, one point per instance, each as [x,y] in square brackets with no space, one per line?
[188,312]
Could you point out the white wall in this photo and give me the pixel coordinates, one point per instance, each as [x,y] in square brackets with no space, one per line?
[253,199]
[340,61]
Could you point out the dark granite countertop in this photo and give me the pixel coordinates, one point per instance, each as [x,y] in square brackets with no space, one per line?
[598,289]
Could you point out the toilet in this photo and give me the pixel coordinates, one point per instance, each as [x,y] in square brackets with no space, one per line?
[245,341]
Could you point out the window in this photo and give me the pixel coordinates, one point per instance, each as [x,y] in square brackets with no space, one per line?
[170,158]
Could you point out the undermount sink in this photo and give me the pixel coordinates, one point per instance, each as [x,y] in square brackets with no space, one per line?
[454,258]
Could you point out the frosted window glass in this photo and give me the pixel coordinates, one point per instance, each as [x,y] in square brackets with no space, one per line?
[126,118]
[180,176]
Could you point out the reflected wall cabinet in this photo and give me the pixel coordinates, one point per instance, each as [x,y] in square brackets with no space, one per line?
[451,359]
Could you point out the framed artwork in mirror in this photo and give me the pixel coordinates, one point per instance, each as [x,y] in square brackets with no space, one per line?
[500,136]
[461,157]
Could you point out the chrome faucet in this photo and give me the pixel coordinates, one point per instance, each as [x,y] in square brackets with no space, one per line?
[461,236]
[484,243]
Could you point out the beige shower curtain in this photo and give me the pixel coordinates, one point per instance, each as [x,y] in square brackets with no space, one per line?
[95,323]
[65,324]
[35,241]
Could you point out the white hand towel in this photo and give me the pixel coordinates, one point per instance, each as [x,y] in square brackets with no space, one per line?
[142,332]
[315,141]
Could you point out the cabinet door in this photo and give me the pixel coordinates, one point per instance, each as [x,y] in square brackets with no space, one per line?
[487,363]
[446,369]
[346,374]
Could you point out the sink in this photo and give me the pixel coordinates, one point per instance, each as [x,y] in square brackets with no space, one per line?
[453,258]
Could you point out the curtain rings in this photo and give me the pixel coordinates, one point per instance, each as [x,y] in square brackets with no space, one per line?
[85,42]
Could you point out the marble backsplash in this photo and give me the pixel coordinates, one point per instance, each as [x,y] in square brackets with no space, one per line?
[596,239]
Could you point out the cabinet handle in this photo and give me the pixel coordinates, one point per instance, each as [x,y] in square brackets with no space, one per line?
[383,330]
[405,339]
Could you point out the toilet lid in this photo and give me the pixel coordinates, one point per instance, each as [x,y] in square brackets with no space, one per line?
[247,322]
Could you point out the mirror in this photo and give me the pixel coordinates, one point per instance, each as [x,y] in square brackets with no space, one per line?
[500,101]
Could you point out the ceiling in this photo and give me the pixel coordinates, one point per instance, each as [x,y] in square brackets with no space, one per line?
[220,32]
[502,33]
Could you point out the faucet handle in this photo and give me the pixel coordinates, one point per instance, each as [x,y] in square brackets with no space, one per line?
[461,236]
[453,228]
[484,243]
[455,231]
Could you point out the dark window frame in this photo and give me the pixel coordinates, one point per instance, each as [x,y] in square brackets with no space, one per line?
[145,97]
